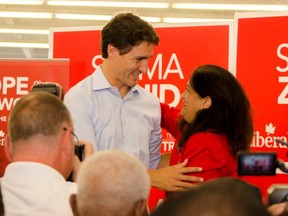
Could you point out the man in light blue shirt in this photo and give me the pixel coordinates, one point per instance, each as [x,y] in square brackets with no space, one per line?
[107,120]
[110,109]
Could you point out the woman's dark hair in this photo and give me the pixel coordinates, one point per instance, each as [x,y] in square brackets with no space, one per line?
[229,113]
[126,30]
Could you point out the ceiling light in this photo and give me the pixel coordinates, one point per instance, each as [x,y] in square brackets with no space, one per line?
[236,7]
[24,31]
[24,45]
[22,2]
[114,4]
[82,17]
[37,15]
[191,20]
[152,19]
[98,17]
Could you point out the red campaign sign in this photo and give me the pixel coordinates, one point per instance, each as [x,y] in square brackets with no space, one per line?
[17,78]
[181,50]
[262,68]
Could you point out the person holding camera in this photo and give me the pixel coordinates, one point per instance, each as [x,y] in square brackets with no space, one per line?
[41,149]
[110,109]
[213,124]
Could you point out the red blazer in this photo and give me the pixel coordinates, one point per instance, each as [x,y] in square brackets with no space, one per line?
[204,149]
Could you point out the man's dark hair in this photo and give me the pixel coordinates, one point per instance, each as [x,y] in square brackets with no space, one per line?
[126,30]
[221,197]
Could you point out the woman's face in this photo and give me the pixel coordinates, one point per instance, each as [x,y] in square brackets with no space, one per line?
[192,103]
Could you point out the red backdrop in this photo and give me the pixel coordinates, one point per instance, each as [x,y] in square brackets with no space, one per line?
[17,78]
[262,59]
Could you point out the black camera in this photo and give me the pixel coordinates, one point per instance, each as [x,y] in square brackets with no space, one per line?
[53,88]
[264,163]
[260,163]
[257,163]
[79,151]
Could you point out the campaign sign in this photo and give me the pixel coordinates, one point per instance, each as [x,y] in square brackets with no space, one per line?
[17,78]
[262,68]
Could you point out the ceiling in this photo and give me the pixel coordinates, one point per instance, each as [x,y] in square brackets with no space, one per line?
[7,51]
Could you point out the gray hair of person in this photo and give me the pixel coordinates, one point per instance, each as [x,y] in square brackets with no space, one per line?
[112,179]
[37,113]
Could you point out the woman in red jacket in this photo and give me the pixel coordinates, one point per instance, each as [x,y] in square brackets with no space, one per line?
[213,124]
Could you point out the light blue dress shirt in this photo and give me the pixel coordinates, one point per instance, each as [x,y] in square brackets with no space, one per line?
[103,118]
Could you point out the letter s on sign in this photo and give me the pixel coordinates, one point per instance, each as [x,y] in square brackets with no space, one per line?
[281,56]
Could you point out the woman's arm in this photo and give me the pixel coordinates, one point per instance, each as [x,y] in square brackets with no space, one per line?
[210,151]
[169,118]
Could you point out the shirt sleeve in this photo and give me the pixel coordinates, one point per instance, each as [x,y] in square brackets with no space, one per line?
[80,106]
[155,142]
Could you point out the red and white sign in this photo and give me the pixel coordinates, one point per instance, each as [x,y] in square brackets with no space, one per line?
[17,78]
[262,68]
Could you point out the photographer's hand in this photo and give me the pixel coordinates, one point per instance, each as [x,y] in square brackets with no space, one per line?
[278,209]
[88,149]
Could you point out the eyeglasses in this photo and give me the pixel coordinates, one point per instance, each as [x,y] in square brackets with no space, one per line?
[76,139]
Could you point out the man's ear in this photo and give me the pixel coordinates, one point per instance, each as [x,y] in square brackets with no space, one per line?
[141,208]
[7,147]
[66,142]
[73,204]
[111,50]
